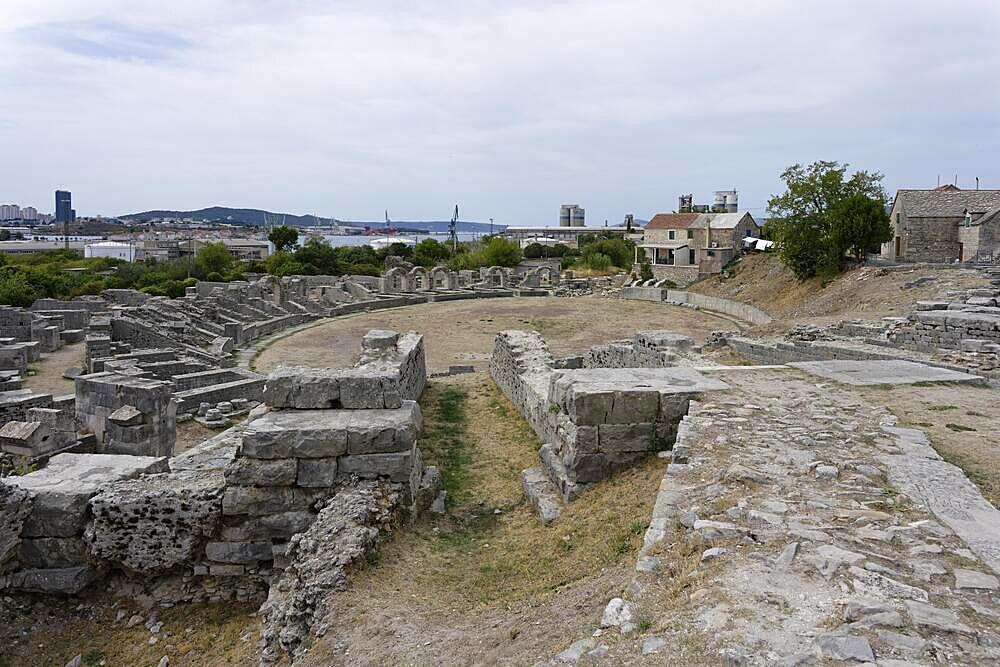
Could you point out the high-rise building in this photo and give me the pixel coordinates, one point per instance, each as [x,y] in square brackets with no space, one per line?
[29,213]
[10,212]
[64,206]
[571,215]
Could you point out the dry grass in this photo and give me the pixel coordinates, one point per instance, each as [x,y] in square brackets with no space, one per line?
[477,556]
[192,635]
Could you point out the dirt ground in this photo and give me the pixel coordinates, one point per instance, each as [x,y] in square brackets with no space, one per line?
[47,377]
[462,332]
[862,293]
[51,631]
[488,583]
[962,421]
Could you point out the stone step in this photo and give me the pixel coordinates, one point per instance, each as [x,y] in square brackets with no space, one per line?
[541,493]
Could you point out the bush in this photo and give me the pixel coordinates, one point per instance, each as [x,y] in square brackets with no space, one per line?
[501,252]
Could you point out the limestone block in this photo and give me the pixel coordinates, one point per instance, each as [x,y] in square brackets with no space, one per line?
[15,506]
[328,433]
[28,439]
[332,388]
[52,552]
[379,340]
[264,500]
[261,472]
[238,552]
[317,472]
[126,415]
[396,466]
[273,526]
[68,580]
[626,437]
[155,523]
[63,488]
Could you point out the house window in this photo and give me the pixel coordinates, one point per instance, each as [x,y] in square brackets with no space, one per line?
[670,235]
[691,255]
[690,233]
[711,253]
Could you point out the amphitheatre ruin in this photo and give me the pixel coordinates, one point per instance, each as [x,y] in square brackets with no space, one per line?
[439,467]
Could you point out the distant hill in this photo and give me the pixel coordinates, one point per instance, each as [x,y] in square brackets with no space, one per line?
[255,216]
[236,216]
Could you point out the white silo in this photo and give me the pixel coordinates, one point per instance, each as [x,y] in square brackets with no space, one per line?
[577,217]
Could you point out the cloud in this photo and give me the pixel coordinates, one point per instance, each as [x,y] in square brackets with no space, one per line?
[510,108]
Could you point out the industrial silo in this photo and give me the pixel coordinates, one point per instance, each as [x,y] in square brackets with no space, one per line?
[577,217]
[565,214]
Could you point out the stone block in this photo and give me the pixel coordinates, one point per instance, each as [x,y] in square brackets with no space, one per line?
[396,466]
[28,439]
[63,488]
[15,506]
[261,472]
[238,552]
[126,415]
[155,523]
[272,526]
[264,500]
[52,552]
[317,472]
[626,437]
[67,580]
[379,340]
[332,388]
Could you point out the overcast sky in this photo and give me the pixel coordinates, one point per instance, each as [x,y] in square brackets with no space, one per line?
[508,108]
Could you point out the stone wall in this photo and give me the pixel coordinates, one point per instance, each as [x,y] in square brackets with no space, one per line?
[127,414]
[742,311]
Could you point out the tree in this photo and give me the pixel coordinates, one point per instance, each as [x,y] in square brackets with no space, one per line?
[317,258]
[214,258]
[501,252]
[860,226]
[282,264]
[803,217]
[430,252]
[284,238]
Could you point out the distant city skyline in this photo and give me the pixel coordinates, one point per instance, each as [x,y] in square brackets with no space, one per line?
[510,109]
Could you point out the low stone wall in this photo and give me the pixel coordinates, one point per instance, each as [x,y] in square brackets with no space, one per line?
[941,328]
[127,414]
[742,311]
[647,349]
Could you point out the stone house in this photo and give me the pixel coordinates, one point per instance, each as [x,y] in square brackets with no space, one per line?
[945,224]
[683,247]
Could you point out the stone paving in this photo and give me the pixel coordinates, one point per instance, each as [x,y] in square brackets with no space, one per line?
[806,528]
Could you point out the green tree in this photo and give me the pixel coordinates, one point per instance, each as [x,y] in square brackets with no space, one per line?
[284,238]
[860,226]
[803,217]
[501,252]
[317,258]
[430,252]
[214,258]
[15,290]
[282,264]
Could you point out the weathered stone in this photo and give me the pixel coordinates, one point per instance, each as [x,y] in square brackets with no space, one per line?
[944,620]
[264,500]
[238,552]
[845,647]
[327,433]
[713,553]
[396,467]
[575,652]
[63,488]
[15,506]
[973,580]
[68,580]
[281,525]
[126,415]
[621,614]
[541,493]
[245,471]
[714,531]
[52,552]
[155,523]
[317,472]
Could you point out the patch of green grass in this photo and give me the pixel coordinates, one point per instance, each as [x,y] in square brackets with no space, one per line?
[958,427]
[445,441]
[942,408]
[93,657]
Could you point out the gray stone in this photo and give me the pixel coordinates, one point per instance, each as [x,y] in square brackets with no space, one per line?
[327,433]
[874,372]
[127,415]
[907,644]
[713,553]
[15,506]
[845,647]
[944,620]
[245,471]
[653,645]
[52,552]
[238,552]
[620,614]
[575,651]
[261,501]
[62,489]
[714,531]
[281,525]
[974,580]
[396,467]
[68,580]
[317,472]
[541,493]
[155,523]
[786,556]
[827,472]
